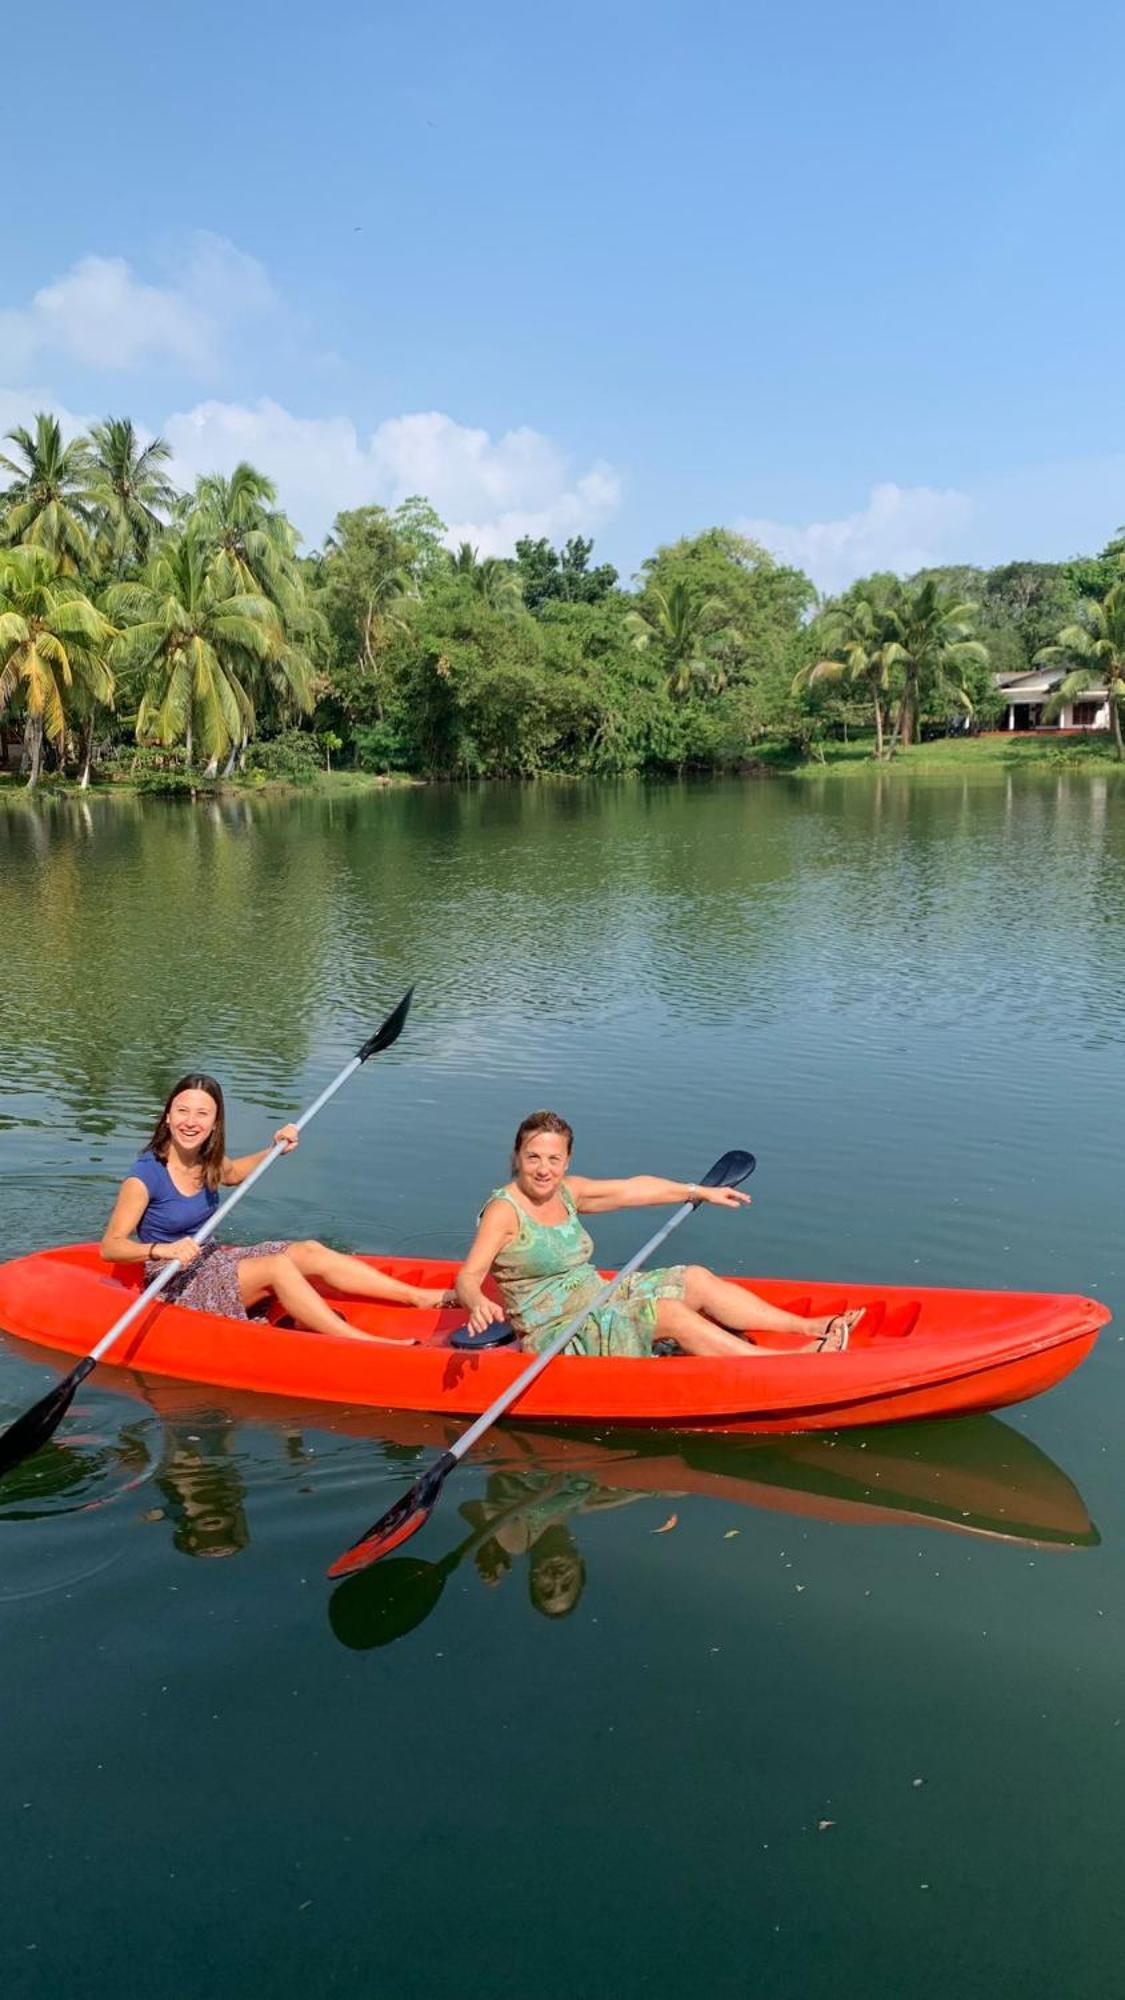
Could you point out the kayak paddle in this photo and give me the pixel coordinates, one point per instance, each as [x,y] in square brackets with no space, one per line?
[39,1423]
[414,1509]
[374,1610]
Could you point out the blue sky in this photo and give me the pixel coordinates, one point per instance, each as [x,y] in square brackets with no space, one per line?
[847,278]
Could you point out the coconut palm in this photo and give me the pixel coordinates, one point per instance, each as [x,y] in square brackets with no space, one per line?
[858,632]
[47,503]
[930,644]
[130,491]
[1097,643]
[496,583]
[198,645]
[254,541]
[54,647]
[679,625]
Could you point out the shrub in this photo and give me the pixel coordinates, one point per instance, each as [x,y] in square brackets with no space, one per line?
[294,757]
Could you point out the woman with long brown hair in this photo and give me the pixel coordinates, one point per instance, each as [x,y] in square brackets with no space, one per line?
[531,1240]
[173,1188]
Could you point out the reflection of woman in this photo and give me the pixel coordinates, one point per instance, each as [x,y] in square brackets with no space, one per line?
[556,1573]
[531,1240]
[173,1188]
[527,1513]
[204,1491]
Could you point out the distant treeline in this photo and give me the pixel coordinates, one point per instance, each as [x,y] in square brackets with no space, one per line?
[182,638]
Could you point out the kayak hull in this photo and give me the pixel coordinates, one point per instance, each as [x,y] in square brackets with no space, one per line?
[918,1353]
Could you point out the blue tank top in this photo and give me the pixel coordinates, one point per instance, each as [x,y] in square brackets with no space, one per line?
[169,1214]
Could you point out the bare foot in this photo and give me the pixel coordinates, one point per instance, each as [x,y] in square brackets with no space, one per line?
[435,1301]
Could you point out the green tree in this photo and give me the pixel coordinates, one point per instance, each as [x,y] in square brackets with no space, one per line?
[494,581]
[255,545]
[54,647]
[197,643]
[858,636]
[679,626]
[1096,645]
[130,492]
[470,695]
[365,586]
[766,602]
[47,504]
[931,646]
[548,576]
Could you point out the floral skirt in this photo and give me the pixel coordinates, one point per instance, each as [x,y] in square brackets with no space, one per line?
[210,1285]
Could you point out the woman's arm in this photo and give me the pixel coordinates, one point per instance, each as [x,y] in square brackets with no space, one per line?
[119,1245]
[234,1171]
[646,1191]
[498,1226]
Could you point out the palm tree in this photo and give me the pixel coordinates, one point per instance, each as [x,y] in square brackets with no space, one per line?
[130,491]
[495,582]
[679,624]
[54,645]
[48,502]
[931,645]
[255,543]
[858,631]
[1098,645]
[198,644]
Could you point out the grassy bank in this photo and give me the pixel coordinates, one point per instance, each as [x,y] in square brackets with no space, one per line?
[948,756]
[953,755]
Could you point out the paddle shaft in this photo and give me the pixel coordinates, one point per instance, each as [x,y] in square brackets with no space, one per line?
[507,1397]
[208,1228]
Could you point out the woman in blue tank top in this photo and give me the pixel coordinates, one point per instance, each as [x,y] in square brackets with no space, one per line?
[173,1188]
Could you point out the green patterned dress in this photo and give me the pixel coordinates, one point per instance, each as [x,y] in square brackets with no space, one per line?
[545,1276]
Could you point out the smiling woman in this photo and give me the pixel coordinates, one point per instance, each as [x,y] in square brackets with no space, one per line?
[531,1240]
[173,1188]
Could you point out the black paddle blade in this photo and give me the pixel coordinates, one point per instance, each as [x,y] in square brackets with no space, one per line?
[368,1611]
[399,1522]
[391,1029]
[25,1436]
[730,1170]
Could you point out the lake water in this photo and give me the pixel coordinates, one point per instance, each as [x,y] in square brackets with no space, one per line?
[782,1717]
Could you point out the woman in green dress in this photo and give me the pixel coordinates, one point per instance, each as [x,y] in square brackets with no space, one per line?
[531,1240]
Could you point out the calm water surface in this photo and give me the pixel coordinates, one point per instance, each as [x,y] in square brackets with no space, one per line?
[780,1717]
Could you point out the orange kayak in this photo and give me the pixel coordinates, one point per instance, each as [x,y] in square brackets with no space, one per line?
[917,1352]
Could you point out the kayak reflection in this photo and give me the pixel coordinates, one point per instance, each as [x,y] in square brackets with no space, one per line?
[971,1475]
[977,1477]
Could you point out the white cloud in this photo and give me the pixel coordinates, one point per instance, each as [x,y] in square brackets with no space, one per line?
[902,528]
[490,491]
[21,406]
[102,316]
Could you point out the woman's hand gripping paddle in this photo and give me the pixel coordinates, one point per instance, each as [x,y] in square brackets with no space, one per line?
[39,1423]
[414,1509]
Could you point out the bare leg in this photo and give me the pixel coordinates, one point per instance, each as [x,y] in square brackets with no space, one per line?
[351,1275]
[696,1335]
[743,1311]
[258,1276]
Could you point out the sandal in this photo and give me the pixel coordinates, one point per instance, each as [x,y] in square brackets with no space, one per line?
[839,1331]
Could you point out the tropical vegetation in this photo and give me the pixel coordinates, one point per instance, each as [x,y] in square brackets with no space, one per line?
[182,638]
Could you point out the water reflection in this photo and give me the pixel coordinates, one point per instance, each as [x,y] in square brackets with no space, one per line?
[204,1491]
[100,1458]
[977,1476]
